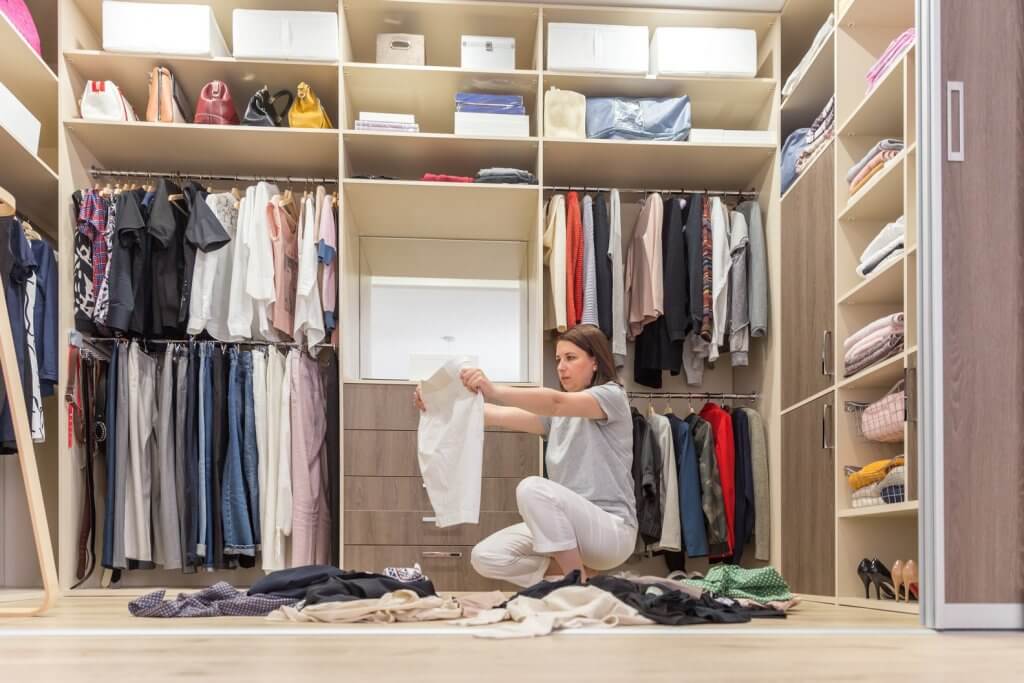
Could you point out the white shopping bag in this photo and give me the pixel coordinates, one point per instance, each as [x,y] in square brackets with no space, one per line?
[450,444]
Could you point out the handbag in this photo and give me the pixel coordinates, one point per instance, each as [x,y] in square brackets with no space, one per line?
[565,114]
[307,110]
[104,101]
[18,14]
[167,103]
[883,420]
[261,110]
[215,105]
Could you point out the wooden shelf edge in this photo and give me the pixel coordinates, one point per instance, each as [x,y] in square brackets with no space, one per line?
[879,86]
[663,144]
[800,177]
[766,82]
[230,130]
[428,183]
[810,399]
[28,48]
[884,510]
[352,132]
[426,68]
[98,54]
[855,200]
[871,281]
[830,41]
[35,157]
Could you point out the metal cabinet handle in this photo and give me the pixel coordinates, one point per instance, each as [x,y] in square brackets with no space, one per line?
[429,520]
[958,88]
[826,419]
[826,339]
[438,554]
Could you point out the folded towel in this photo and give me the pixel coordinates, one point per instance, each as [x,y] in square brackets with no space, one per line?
[898,228]
[864,178]
[443,178]
[897,48]
[884,321]
[867,497]
[887,349]
[886,144]
[866,269]
[871,342]
[819,39]
[897,476]
[879,159]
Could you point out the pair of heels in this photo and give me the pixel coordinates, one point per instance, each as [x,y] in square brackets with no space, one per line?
[901,581]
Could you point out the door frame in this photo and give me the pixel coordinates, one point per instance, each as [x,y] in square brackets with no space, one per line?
[936,612]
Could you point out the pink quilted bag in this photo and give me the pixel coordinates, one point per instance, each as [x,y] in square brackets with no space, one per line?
[18,14]
[883,420]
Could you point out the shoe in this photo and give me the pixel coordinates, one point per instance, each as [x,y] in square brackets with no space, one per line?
[864,572]
[910,579]
[897,577]
[882,578]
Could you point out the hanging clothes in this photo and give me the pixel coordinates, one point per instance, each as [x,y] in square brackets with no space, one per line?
[590,312]
[309,315]
[646,480]
[644,280]
[744,478]
[762,489]
[721,265]
[712,501]
[261,270]
[739,305]
[725,455]
[694,536]
[757,264]
[210,297]
[603,265]
[671,533]
[284,237]
[327,254]
[573,260]
[556,312]
[619,300]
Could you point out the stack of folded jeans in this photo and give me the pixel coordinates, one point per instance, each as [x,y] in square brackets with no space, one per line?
[872,163]
[505,176]
[875,342]
[897,48]
[643,118]
[821,132]
[885,248]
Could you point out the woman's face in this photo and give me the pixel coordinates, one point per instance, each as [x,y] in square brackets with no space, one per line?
[576,367]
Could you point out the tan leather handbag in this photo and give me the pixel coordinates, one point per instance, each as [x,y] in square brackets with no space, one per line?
[307,111]
[167,102]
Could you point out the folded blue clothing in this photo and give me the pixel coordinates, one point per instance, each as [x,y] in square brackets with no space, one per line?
[484,99]
[490,108]
[791,149]
[638,118]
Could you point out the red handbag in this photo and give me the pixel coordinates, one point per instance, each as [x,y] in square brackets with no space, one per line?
[215,105]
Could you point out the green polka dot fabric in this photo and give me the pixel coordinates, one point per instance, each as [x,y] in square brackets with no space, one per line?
[732,581]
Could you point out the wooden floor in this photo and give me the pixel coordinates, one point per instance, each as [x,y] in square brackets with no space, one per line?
[95,639]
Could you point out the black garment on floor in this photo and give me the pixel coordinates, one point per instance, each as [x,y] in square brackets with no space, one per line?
[542,589]
[694,258]
[329,375]
[669,607]
[743,523]
[294,582]
[363,585]
[646,479]
[219,429]
[603,269]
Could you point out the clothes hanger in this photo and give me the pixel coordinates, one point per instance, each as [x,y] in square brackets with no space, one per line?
[8,205]
[30,232]
[668,405]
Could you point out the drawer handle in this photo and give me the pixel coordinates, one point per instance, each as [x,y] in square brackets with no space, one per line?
[436,554]
[430,520]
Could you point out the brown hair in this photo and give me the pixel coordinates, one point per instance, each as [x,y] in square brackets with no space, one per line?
[593,342]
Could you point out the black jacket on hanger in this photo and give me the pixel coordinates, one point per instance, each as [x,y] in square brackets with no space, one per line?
[602,238]
[646,479]
[743,523]
[694,222]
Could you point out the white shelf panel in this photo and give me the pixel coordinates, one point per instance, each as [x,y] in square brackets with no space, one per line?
[883,287]
[880,113]
[410,155]
[881,375]
[908,509]
[878,13]
[31,181]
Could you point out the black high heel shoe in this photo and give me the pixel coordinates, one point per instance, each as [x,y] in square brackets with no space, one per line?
[882,578]
[864,572]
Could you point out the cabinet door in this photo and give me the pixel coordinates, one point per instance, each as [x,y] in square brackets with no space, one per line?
[808,264]
[808,494]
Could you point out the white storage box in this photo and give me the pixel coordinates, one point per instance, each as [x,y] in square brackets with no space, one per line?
[598,48]
[285,34]
[701,51]
[489,53]
[18,120]
[492,125]
[401,48]
[164,29]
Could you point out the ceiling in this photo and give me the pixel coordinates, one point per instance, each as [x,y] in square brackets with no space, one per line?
[752,5]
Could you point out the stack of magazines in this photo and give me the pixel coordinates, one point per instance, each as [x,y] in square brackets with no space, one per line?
[395,123]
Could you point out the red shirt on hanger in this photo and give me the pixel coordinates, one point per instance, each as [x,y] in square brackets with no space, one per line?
[573,260]
[725,454]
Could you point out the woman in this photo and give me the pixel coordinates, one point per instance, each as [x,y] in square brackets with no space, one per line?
[584,516]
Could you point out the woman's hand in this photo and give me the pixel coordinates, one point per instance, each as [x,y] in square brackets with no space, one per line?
[417,400]
[476,381]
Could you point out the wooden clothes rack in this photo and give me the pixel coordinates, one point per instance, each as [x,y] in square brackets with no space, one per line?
[291,180]
[707,395]
[26,453]
[649,190]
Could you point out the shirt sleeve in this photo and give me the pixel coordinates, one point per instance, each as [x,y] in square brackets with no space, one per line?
[613,402]
[205,230]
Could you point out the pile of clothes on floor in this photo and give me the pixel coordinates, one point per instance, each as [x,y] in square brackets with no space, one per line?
[495,175]
[803,145]
[873,163]
[324,594]
[873,343]
[885,248]
[893,53]
[880,482]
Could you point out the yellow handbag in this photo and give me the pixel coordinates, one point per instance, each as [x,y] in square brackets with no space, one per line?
[307,111]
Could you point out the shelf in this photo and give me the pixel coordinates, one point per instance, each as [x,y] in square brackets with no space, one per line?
[191,148]
[243,76]
[883,287]
[31,181]
[908,509]
[410,155]
[882,197]
[730,103]
[801,20]
[618,163]
[879,376]
[911,350]
[29,79]
[428,92]
[443,210]
[827,149]
[878,13]
[813,89]
[880,113]
[886,605]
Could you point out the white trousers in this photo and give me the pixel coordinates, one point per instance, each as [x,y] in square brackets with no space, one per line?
[557,519]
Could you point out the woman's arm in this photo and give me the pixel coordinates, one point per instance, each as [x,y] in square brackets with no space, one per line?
[512,418]
[539,401]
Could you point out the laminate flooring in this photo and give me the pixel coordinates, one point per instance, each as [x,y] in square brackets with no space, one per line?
[95,639]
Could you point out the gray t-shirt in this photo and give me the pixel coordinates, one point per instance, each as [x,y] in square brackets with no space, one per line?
[594,458]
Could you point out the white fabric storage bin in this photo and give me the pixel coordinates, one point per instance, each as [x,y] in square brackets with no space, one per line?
[18,120]
[408,49]
[164,29]
[285,34]
[488,53]
[598,48]
[493,125]
[701,51]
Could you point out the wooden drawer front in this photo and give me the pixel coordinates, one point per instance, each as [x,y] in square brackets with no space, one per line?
[364,527]
[373,453]
[380,406]
[408,494]
[448,567]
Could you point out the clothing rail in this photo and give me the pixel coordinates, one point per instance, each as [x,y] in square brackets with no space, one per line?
[696,394]
[146,340]
[112,173]
[643,190]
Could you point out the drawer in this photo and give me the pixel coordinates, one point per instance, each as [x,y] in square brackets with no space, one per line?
[448,567]
[371,453]
[383,406]
[388,527]
[408,494]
